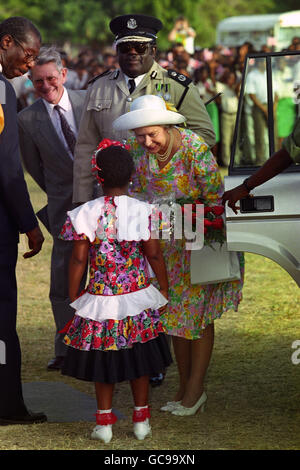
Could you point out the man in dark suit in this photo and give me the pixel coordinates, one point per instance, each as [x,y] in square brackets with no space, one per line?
[19,46]
[47,132]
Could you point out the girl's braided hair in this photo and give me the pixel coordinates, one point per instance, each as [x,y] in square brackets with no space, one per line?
[115,166]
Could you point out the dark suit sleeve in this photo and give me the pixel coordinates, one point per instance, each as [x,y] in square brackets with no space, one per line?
[31,155]
[13,189]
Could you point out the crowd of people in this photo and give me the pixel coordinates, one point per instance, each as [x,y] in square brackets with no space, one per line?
[142,128]
[215,71]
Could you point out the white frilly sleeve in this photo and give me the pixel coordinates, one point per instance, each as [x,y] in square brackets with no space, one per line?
[132,218]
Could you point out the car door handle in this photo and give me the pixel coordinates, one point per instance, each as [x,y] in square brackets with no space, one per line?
[257,204]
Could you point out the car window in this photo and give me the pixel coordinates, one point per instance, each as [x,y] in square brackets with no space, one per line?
[268,108]
[285,74]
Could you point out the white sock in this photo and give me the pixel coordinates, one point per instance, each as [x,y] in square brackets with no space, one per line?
[102,412]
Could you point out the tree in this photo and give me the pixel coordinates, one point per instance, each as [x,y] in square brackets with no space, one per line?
[86,22]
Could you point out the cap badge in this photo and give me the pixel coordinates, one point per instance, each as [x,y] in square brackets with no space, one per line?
[131,24]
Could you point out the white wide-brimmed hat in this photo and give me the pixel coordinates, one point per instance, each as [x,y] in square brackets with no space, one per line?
[147,110]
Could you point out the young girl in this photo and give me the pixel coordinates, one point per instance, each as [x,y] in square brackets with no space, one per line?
[115,334]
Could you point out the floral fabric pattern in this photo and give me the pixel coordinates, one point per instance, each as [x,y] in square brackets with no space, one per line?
[192,173]
[116,268]
[113,335]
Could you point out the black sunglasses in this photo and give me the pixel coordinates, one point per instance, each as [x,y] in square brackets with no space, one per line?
[139,47]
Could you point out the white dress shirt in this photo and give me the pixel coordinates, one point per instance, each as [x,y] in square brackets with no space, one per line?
[137,80]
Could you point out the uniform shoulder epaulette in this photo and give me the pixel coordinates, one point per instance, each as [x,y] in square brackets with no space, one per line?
[179,77]
[92,80]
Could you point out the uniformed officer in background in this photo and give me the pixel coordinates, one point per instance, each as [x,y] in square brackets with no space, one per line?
[111,94]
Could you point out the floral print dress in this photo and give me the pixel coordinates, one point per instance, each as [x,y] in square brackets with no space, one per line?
[119,307]
[192,173]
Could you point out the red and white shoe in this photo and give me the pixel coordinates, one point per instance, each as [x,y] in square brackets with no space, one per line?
[141,425]
[103,431]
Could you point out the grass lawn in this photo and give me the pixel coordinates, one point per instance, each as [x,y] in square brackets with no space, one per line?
[252,385]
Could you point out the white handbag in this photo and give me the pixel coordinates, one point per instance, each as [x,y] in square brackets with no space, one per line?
[213,265]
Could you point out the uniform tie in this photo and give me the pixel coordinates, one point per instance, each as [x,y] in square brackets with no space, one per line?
[131,85]
[67,131]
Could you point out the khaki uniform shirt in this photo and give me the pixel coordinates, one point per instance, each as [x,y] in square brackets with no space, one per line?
[292,143]
[108,98]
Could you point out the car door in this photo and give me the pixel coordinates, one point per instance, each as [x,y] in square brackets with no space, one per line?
[267,224]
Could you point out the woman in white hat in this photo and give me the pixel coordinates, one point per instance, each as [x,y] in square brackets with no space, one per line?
[170,159]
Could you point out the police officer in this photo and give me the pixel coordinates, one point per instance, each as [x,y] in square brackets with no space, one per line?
[111,94]
[19,46]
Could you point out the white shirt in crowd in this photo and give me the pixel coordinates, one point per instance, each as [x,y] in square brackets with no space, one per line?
[229,99]
[256,84]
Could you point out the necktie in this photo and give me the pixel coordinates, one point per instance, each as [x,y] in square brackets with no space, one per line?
[131,85]
[67,131]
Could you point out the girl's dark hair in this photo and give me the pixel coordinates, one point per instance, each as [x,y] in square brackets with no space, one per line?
[116,165]
[19,27]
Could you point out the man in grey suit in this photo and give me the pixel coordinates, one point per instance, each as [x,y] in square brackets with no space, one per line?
[48,131]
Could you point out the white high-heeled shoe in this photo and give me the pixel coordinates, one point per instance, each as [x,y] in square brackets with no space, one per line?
[170,406]
[141,425]
[184,411]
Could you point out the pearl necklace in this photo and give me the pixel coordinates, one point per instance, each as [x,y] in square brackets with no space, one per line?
[163,157]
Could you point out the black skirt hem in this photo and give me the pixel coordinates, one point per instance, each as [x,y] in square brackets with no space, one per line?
[148,358]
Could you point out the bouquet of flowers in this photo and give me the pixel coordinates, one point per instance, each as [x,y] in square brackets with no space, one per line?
[214,228]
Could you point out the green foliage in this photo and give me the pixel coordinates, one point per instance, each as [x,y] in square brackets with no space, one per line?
[86,22]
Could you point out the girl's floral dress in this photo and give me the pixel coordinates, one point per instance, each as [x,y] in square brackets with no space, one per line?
[192,173]
[119,307]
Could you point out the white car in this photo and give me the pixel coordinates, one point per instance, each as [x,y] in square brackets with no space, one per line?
[269,223]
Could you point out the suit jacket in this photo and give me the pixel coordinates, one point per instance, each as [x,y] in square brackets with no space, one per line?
[46,159]
[16,212]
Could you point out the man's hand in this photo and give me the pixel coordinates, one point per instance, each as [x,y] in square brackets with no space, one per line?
[35,242]
[234,195]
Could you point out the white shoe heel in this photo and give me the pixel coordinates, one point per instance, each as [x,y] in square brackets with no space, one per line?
[202,408]
[184,411]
